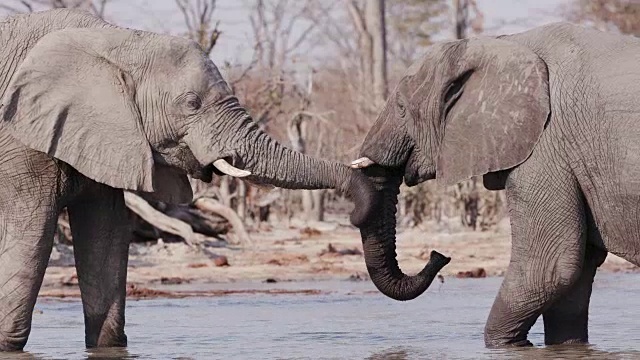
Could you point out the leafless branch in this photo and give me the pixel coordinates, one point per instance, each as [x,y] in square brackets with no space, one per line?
[198,18]
[356,16]
[99,8]
[15,10]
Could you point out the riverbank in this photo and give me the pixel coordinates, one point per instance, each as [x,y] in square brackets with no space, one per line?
[301,252]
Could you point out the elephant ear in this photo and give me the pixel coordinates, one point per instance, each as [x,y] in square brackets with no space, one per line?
[67,99]
[500,113]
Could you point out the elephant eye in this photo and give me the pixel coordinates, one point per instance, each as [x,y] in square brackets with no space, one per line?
[193,101]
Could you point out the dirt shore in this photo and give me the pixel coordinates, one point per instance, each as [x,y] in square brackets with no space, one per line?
[301,252]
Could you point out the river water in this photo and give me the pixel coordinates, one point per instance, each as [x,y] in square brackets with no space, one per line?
[346,321]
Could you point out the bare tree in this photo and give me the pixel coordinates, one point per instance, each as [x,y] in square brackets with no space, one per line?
[198,18]
[621,15]
[202,28]
[369,22]
[411,24]
[280,30]
[283,33]
[375,14]
[312,200]
[463,20]
[97,7]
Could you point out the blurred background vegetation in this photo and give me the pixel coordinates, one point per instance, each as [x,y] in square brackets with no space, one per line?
[314,74]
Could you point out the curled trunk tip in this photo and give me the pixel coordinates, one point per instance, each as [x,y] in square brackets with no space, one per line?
[404,287]
[379,244]
[437,260]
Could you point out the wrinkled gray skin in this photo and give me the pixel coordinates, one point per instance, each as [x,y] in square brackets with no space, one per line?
[89,109]
[553,116]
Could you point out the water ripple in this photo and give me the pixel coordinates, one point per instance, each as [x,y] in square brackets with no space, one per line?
[445,323]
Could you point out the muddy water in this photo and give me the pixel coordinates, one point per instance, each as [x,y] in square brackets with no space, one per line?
[345,321]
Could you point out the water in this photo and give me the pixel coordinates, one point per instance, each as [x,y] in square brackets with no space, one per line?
[348,323]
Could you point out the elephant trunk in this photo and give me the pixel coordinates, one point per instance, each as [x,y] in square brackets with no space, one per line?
[269,162]
[379,244]
[273,163]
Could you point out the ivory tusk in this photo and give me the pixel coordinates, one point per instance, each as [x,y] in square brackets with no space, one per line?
[225,167]
[363,162]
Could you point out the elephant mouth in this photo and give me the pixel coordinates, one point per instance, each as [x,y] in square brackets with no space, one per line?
[204,173]
[413,172]
[223,166]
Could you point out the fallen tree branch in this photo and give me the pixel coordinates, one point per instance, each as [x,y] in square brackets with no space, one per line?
[210,205]
[176,225]
[158,219]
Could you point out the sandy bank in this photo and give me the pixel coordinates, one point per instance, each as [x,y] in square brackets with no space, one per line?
[302,252]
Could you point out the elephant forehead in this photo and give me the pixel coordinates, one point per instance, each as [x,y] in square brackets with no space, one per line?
[194,72]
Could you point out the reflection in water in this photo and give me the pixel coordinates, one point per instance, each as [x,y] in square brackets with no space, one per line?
[528,353]
[564,352]
[391,354]
[20,355]
[109,353]
[347,323]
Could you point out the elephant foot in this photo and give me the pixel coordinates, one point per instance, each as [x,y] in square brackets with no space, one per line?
[506,330]
[570,331]
[495,343]
[107,341]
[110,334]
[565,335]
[567,342]
[10,343]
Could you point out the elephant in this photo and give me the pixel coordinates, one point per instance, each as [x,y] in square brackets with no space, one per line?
[89,110]
[550,116]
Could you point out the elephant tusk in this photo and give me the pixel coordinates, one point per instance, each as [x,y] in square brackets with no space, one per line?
[363,162]
[225,167]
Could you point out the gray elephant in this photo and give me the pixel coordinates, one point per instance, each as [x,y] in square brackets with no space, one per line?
[89,110]
[552,116]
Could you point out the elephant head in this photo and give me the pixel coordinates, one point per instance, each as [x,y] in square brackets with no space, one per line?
[468,108]
[126,107]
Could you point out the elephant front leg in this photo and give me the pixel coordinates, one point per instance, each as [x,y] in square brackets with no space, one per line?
[101,235]
[548,244]
[26,239]
[566,321]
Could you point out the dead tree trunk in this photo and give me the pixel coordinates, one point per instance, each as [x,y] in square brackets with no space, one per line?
[296,131]
[375,19]
[241,197]
[372,42]
[312,200]
[460,14]
[317,213]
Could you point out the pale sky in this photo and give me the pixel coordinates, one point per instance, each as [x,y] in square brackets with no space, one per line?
[234,45]
[501,16]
